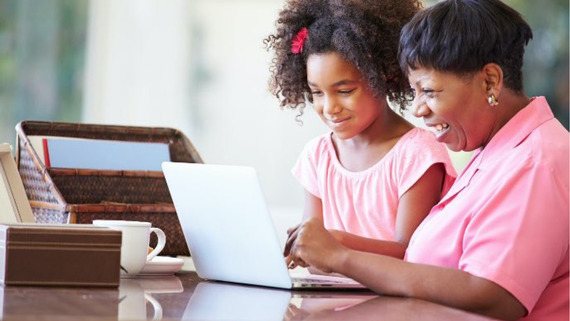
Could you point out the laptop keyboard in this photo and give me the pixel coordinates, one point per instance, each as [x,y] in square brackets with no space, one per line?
[321,281]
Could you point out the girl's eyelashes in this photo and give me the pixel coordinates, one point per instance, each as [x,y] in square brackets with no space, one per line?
[315,92]
[346,91]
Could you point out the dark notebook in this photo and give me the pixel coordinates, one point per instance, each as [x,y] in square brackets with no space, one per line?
[59,255]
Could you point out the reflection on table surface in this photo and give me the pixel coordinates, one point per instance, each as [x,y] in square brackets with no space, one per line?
[186,297]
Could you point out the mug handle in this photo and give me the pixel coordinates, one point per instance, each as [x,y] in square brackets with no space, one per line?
[160,244]
[155,306]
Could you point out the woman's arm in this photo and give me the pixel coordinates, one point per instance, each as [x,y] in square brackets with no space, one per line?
[451,287]
[311,244]
[413,207]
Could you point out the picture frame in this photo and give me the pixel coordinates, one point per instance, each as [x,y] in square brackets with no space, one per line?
[14,204]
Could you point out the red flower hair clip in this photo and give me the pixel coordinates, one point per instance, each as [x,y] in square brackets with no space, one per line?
[298,41]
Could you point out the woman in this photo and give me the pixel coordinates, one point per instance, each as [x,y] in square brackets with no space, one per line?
[497,242]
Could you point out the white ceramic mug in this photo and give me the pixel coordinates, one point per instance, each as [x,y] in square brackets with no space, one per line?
[134,247]
[133,301]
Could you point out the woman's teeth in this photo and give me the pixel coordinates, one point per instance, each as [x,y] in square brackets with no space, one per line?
[440,127]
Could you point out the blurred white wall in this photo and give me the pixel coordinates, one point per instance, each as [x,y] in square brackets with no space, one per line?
[200,67]
[137,62]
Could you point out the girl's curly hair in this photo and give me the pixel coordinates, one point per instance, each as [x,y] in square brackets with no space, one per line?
[364,32]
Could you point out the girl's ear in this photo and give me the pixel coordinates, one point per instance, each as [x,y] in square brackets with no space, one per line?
[493,78]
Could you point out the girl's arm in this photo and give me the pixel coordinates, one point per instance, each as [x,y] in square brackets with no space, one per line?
[313,207]
[391,276]
[413,207]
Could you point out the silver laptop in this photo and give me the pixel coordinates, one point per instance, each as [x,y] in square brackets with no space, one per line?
[228,227]
[225,301]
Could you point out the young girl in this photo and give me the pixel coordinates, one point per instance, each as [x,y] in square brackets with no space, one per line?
[374,177]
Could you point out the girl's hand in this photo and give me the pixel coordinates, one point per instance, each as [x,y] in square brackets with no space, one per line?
[311,244]
[291,235]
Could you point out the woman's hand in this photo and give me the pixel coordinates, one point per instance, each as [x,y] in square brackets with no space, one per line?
[310,243]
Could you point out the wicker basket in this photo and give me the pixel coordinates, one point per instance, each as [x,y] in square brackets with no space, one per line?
[59,195]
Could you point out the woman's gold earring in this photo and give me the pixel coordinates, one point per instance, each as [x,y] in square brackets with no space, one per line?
[492,100]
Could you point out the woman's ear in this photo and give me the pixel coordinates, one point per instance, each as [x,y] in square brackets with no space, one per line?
[493,78]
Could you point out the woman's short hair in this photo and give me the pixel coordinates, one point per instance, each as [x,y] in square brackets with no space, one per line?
[462,36]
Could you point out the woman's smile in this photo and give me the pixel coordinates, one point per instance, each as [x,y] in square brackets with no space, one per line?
[440,130]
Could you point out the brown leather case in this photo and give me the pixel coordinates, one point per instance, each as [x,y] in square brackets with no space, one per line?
[59,255]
